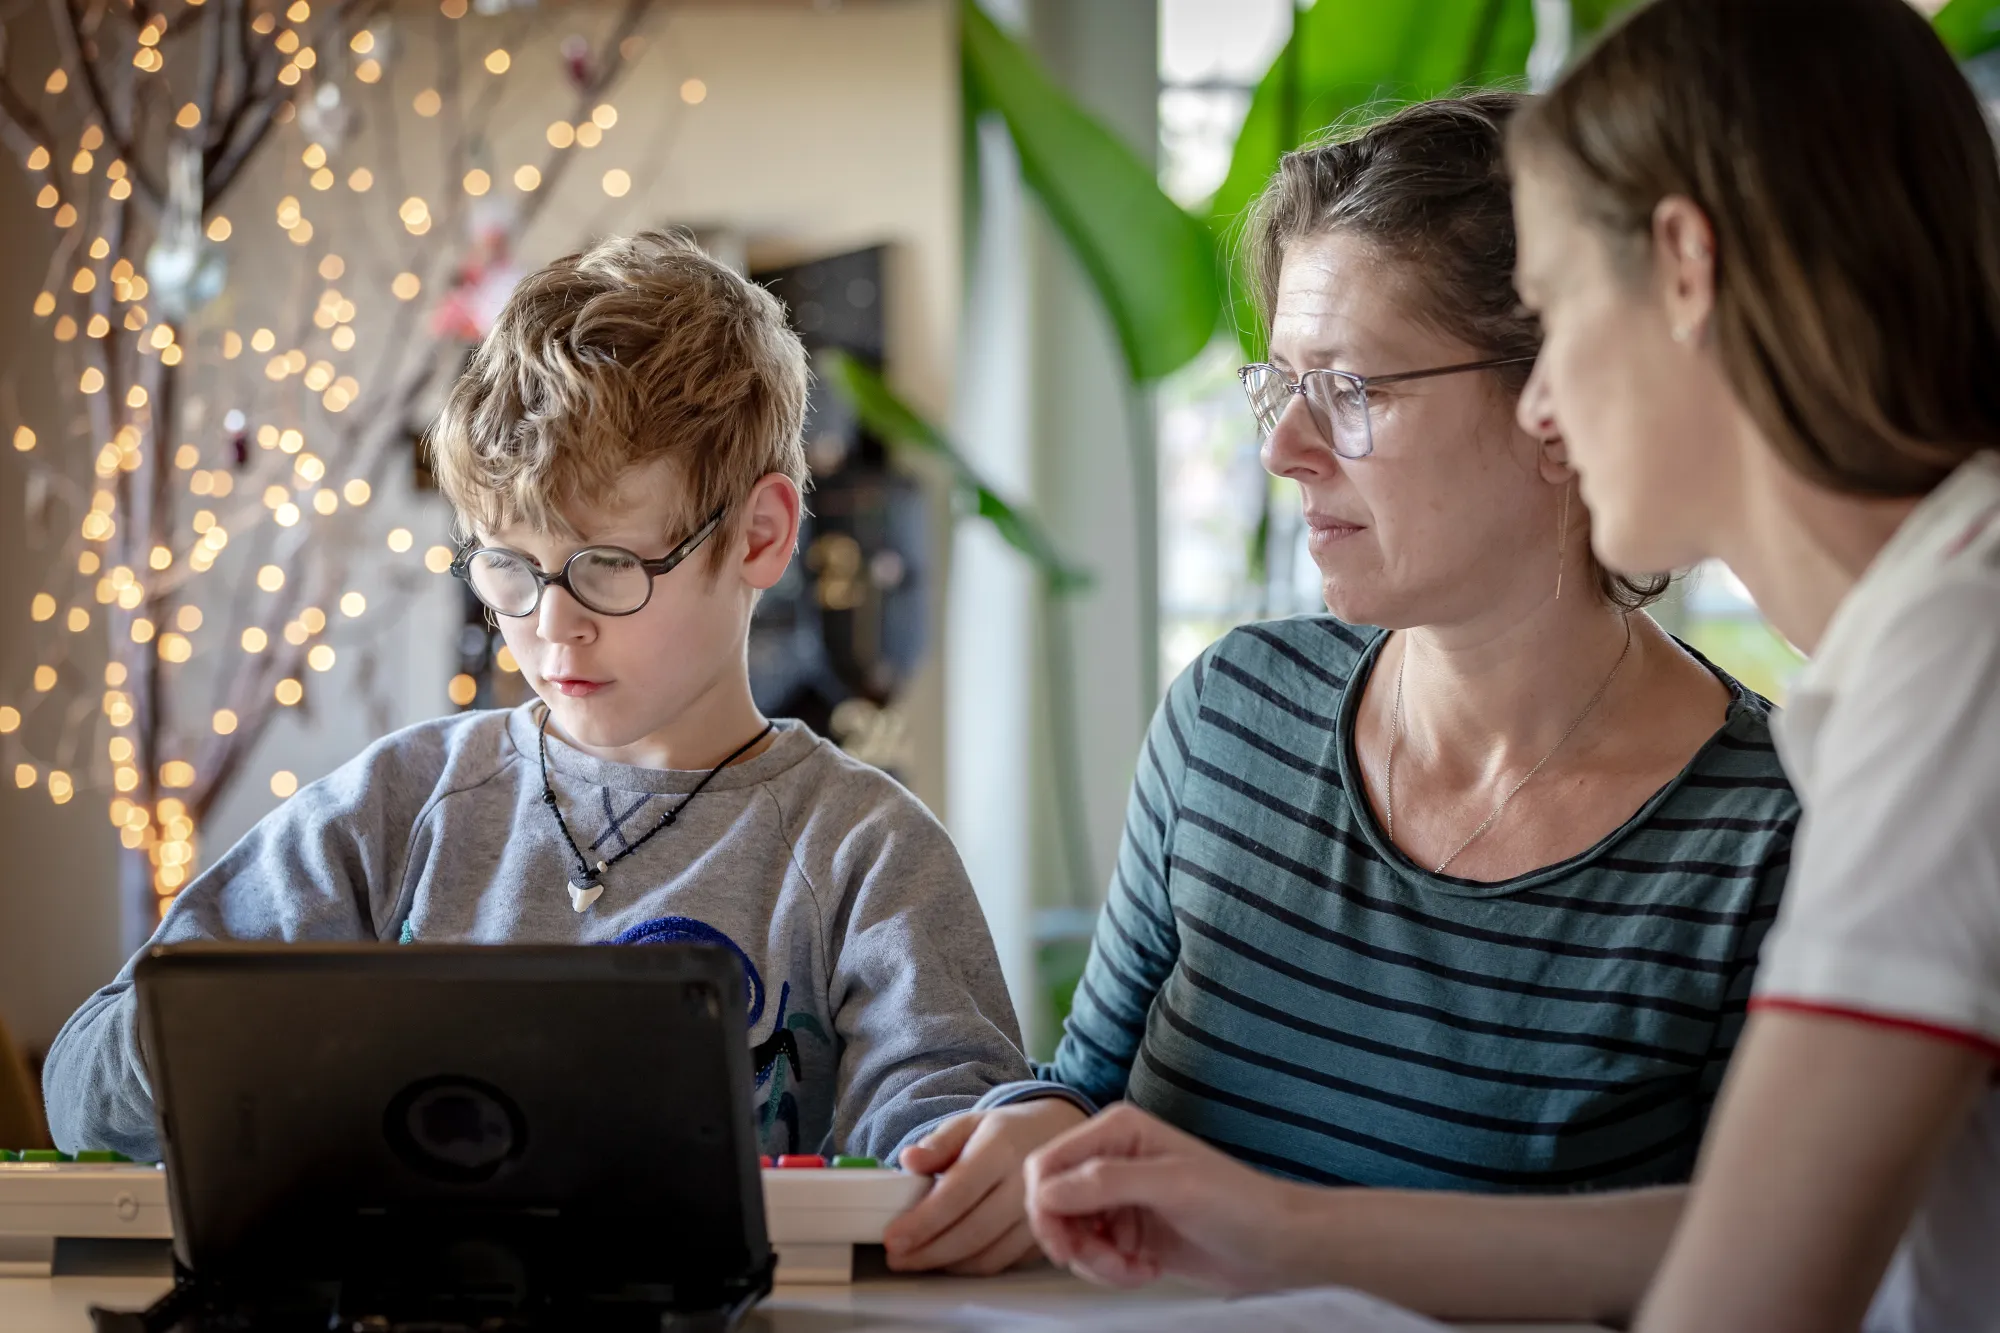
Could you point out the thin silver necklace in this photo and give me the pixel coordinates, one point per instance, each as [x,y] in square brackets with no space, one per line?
[1396,731]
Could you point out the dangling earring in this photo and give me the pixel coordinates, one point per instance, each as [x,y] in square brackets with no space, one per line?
[1562,542]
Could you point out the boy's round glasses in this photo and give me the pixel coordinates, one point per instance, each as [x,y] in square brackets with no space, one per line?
[1337,400]
[609,580]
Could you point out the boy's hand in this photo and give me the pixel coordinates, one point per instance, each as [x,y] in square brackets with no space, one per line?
[973,1221]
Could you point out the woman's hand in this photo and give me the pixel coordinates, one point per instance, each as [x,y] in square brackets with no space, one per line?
[972,1221]
[1127,1198]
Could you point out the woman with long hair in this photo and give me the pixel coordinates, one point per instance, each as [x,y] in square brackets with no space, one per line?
[1764,240]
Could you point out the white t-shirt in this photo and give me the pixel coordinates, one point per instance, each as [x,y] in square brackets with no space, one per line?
[1892,914]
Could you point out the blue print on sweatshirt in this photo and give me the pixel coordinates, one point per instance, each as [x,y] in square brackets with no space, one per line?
[687,930]
[776,1058]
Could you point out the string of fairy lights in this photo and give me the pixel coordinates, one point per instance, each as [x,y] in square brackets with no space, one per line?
[282,483]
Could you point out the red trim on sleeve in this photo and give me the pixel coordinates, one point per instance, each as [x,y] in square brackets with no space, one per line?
[1972,531]
[1984,1045]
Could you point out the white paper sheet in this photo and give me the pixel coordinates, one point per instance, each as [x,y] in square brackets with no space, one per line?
[1326,1310]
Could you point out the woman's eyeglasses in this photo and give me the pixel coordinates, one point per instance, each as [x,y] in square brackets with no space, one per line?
[1337,400]
[609,580]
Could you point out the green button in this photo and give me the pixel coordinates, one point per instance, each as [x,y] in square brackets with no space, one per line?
[855,1163]
[45,1155]
[101,1155]
[9,1155]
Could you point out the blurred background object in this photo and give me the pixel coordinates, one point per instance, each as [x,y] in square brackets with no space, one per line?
[260,237]
[835,642]
[21,1122]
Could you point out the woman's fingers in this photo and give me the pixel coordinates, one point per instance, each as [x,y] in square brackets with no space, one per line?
[1122,1131]
[1055,1233]
[1097,1258]
[1105,1184]
[1125,1200]
[1115,1247]
[1013,1244]
[1128,1230]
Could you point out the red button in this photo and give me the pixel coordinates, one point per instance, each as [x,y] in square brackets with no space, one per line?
[764,1162]
[796,1161]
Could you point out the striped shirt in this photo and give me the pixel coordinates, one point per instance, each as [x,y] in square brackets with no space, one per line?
[1271,974]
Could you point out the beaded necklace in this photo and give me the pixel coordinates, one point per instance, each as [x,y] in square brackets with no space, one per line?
[581,896]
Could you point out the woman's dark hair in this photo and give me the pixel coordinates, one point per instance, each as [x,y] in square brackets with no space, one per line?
[1428,186]
[1851,182]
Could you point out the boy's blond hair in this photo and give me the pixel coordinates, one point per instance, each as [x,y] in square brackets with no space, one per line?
[639,348]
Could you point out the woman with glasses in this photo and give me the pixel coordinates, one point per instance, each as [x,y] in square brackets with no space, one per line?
[1435,916]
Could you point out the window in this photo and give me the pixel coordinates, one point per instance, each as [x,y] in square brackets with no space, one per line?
[1714,613]
[1216,501]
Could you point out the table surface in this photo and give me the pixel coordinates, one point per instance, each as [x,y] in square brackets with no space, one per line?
[892,1304]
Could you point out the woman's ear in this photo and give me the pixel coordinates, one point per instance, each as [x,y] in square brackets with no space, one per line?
[770,529]
[1536,416]
[1684,267]
[1552,457]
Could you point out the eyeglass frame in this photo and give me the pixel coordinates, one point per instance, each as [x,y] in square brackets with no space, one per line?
[461,567]
[1361,382]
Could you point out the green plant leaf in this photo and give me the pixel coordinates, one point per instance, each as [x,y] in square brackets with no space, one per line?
[899,424]
[1346,57]
[1152,264]
[1588,17]
[1969,27]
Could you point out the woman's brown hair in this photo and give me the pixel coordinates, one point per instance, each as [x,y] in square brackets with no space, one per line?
[1851,182]
[1428,187]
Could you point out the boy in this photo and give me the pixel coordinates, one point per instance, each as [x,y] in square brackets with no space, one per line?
[624,453]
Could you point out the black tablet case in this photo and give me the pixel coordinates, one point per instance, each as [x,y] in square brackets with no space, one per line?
[510,1136]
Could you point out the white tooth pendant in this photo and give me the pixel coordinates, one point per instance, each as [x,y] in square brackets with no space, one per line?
[581,897]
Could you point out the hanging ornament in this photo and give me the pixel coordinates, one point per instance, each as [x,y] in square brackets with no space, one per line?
[184,269]
[237,437]
[486,277]
[578,62]
[328,118]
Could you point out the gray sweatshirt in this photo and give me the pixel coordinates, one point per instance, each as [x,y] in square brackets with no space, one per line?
[875,1005]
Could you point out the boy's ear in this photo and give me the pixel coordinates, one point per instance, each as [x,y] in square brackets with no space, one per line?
[769,529]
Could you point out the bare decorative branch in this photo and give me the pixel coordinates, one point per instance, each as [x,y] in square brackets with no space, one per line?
[88,85]
[19,125]
[117,309]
